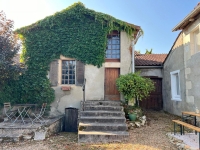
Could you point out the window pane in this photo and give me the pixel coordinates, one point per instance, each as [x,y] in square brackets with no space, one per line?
[109,47]
[108,51]
[109,41]
[108,56]
[177,84]
[68,71]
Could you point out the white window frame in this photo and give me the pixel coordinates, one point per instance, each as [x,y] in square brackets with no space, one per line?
[175,89]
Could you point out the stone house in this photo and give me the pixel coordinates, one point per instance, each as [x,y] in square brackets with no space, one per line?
[181,68]
[74,81]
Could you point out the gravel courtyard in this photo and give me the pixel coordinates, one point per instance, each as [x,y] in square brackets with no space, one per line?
[152,136]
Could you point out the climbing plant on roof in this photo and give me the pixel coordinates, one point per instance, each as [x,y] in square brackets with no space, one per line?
[75,32]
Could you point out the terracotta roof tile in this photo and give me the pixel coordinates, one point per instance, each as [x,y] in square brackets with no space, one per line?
[150,59]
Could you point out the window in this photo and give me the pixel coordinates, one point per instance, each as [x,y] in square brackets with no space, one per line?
[113,45]
[175,85]
[196,37]
[68,71]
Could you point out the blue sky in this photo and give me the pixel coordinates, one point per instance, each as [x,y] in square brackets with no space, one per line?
[156,17]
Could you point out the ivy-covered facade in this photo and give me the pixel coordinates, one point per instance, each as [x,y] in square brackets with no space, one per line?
[64,49]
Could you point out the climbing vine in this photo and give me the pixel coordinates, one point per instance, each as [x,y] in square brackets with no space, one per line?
[75,32]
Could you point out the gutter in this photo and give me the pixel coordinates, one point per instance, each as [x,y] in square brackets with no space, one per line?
[189,17]
[148,67]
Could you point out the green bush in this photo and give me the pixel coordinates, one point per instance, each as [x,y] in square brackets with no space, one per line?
[132,85]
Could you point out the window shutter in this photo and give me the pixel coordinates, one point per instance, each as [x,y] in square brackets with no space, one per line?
[53,73]
[80,71]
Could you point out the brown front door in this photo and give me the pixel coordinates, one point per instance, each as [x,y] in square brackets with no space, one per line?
[111,92]
[154,101]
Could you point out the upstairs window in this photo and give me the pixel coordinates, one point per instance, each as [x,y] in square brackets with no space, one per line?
[68,71]
[175,85]
[113,46]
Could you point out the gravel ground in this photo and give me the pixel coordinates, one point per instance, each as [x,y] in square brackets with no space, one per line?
[152,136]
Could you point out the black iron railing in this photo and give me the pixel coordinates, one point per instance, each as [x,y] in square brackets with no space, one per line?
[83,88]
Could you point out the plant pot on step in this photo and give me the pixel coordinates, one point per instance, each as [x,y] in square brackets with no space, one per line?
[132,117]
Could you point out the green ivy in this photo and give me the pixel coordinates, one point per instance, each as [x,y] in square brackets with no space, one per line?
[75,32]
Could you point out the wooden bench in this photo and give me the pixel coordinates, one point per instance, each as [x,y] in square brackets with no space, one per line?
[184,124]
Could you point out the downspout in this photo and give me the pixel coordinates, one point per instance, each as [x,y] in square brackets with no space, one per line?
[133,42]
[133,56]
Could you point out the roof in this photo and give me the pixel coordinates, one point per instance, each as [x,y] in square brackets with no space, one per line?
[191,17]
[69,12]
[150,59]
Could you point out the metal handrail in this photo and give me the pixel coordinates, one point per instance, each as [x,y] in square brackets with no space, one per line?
[83,88]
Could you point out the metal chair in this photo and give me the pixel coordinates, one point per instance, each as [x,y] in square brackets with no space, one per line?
[9,111]
[39,116]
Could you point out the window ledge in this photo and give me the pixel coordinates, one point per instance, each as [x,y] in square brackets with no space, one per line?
[66,88]
[176,99]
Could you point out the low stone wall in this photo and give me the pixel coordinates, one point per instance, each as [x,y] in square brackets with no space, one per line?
[51,128]
[39,132]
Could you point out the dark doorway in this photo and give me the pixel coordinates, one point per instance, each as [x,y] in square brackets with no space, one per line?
[154,101]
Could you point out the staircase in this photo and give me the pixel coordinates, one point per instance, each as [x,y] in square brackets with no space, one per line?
[102,121]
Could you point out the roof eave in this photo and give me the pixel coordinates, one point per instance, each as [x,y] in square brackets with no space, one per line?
[187,19]
[149,67]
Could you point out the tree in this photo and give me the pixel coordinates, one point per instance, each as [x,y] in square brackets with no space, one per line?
[149,51]
[9,47]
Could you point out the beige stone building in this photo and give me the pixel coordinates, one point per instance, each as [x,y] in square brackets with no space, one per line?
[181,81]
[99,82]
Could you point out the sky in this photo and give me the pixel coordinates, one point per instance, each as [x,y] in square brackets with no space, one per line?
[157,18]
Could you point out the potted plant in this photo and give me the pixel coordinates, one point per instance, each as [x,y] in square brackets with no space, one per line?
[134,113]
[134,87]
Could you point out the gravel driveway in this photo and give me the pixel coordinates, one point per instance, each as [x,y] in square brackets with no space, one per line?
[152,136]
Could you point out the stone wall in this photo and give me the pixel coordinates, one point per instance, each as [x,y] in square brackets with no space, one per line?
[174,61]
[94,89]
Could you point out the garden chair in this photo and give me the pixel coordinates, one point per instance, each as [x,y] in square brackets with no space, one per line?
[39,116]
[9,111]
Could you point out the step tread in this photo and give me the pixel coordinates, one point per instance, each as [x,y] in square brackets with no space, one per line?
[102,111]
[101,117]
[102,101]
[102,106]
[103,133]
[101,124]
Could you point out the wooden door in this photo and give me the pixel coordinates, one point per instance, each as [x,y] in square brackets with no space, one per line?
[154,101]
[111,92]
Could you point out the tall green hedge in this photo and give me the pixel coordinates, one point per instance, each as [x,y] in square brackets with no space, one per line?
[75,32]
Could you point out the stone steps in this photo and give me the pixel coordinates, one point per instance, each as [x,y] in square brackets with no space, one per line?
[106,108]
[102,127]
[102,121]
[105,137]
[102,103]
[103,113]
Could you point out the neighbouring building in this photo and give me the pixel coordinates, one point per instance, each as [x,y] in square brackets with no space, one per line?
[181,76]
[151,66]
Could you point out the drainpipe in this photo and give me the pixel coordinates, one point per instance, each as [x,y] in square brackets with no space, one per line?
[134,41]
[133,56]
